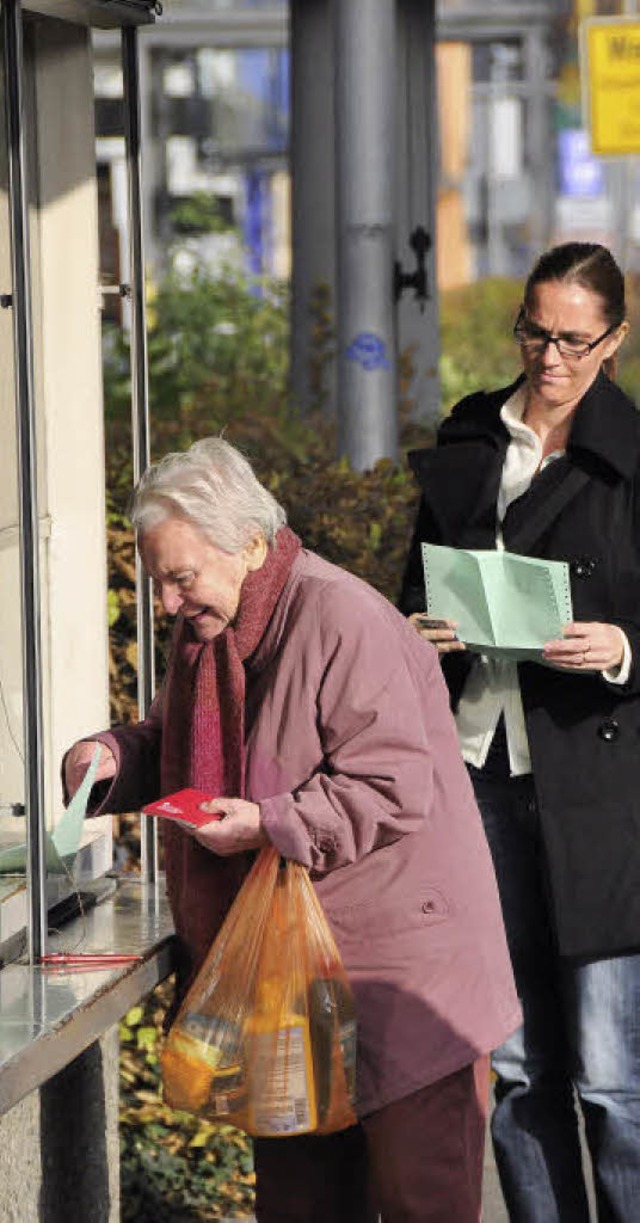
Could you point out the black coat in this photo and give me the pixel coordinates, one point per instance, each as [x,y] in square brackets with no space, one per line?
[584,734]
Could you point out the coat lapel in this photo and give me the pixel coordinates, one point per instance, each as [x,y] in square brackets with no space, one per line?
[595,451]
[528,518]
[460,478]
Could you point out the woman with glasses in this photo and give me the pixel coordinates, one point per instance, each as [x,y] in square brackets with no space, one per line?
[550,467]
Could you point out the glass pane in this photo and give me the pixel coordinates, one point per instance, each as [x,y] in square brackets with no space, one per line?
[243,99]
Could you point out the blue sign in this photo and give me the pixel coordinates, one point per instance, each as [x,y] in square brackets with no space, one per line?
[580,174]
[369,351]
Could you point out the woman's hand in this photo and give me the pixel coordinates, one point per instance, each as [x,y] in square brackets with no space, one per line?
[239,828]
[587,647]
[441,633]
[78,759]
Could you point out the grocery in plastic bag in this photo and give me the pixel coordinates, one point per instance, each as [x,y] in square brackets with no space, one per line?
[266,1037]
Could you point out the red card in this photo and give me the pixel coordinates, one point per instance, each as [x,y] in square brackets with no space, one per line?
[183,806]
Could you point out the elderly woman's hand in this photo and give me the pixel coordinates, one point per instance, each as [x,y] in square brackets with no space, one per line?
[441,633]
[239,828]
[78,759]
[587,647]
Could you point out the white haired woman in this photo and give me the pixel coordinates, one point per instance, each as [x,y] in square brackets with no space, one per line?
[303,702]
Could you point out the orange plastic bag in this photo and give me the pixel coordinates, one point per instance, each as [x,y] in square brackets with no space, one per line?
[265,1039]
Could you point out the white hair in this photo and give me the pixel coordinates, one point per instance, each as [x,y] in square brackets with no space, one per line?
[214,487]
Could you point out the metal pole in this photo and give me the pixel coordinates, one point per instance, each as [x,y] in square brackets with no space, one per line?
[495,242]
[365,56]
[537,127]
[313,289]
[28,488]
[627,174]
[139,397]
[417,321]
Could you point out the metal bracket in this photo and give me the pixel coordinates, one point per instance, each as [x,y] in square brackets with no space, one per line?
[111,290]
[420,243]
[6,301]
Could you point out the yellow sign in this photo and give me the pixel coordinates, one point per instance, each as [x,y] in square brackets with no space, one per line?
[610,65]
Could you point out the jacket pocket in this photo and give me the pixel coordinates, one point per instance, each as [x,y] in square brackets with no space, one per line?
[427,907]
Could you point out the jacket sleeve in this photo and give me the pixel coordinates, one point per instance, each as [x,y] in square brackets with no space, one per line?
[376,782]
[630,628]
[137,752]
[626,606]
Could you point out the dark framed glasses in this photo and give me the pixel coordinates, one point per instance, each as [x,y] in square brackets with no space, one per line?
[535,339]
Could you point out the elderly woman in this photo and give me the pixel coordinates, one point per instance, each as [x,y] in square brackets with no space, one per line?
[550,467]
[304,703]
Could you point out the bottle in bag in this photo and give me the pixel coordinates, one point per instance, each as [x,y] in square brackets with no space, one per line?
[201,1070]
[280,1075]
[332,1020]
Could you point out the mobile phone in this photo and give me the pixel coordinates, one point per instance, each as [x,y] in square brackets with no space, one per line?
[183,806]
[432,622]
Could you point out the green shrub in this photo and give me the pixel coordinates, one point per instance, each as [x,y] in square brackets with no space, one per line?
[174,1167]
[477,346]
[219,342]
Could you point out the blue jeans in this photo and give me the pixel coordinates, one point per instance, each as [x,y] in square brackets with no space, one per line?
[580,1038]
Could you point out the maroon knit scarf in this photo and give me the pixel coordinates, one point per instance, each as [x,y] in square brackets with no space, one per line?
[203,746]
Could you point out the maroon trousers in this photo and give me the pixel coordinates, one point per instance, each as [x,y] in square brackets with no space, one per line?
[418,1160]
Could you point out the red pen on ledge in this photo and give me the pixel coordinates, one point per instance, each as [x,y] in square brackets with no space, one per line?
[86,959]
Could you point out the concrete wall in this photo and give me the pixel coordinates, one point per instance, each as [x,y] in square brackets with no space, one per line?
[59,1146]
[68,385]
[59,1159]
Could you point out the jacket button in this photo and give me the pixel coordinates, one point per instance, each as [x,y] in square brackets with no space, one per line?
[583,566]
[609,730]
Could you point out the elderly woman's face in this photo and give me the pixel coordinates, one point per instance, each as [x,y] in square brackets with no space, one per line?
[193,577]
[567,311]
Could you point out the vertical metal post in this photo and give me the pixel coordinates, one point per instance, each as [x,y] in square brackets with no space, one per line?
[626,183]
[365,56]
[28,488]
[139,395]
[496,254]
[417,322]
[537,101]
[313,273]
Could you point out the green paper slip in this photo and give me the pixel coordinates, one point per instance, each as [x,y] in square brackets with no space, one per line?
[504,604]
[61,845]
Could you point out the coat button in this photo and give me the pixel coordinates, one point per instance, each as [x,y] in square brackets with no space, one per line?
[609,730]
[583,567]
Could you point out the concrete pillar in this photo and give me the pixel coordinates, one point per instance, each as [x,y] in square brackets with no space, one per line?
[312,206]
[80,1158]
[59,1156]
[60,147]
[67,352]
[69,428]
[365,110]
